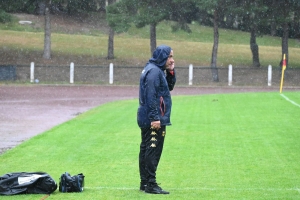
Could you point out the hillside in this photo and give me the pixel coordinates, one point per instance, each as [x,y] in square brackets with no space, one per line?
[63,23]
[83,39]
[60,23]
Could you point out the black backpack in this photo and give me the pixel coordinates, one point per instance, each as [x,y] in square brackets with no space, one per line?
[27,183]
[68,183]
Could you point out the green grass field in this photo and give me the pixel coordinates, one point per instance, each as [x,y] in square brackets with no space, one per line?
[223,146]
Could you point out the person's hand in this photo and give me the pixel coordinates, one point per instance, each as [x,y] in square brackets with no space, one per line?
[155,125]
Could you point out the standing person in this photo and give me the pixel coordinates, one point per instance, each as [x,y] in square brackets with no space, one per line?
[156,81]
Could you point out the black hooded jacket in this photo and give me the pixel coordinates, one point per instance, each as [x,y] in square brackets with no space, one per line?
[155,85]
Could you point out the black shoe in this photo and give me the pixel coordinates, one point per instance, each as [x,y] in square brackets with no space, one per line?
[143,186]
[155,189]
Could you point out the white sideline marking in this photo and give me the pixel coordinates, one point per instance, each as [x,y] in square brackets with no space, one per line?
[203,189]
[290,100]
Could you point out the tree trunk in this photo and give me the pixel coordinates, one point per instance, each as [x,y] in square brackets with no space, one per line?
[254,48]
[273,21]
[214,68]
[152,38]
[285,45]
[285,34]
[273,29]
[47,39]
[110,50]
[110,54]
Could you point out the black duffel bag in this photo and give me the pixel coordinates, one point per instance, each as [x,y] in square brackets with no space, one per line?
[27,183]
[68,183]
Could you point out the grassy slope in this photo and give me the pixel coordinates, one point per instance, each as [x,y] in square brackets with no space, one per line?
[227,146]
[132,48]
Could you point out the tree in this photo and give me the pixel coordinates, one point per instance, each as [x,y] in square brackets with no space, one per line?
[15,6]
[252,14]
[289,12]
[253,18]
[141,13]
[283,18]
[74,6]
[118,16]
[214,55]
[151,12]
[254,47]
[110,51]
[215,6]
[47,37]
[5,17]
[181,13]
[271,12]
[285,34]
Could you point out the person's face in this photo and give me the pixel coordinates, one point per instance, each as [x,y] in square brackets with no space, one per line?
[170,62]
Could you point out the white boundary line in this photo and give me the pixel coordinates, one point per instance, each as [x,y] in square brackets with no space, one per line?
[203,189]
[290,100]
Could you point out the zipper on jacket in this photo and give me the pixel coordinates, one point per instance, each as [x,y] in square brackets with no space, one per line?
[162,106]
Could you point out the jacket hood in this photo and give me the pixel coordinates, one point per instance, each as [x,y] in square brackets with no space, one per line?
[160,56]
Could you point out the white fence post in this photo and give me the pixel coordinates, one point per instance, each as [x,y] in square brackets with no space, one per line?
[111,73]
[230,75]
[269,75]
[31,72]
[191,74]
[72,72]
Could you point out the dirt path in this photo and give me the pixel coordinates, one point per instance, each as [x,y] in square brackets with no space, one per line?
[26,111]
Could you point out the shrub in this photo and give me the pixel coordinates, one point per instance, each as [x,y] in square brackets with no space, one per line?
[5,17]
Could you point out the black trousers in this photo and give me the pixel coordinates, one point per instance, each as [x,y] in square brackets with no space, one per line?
[150,152]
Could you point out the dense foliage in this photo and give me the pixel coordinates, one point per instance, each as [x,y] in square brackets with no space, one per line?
[267,15]
[5,17]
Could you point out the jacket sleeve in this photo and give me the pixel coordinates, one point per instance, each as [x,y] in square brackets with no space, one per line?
[171,79]
[152,87]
